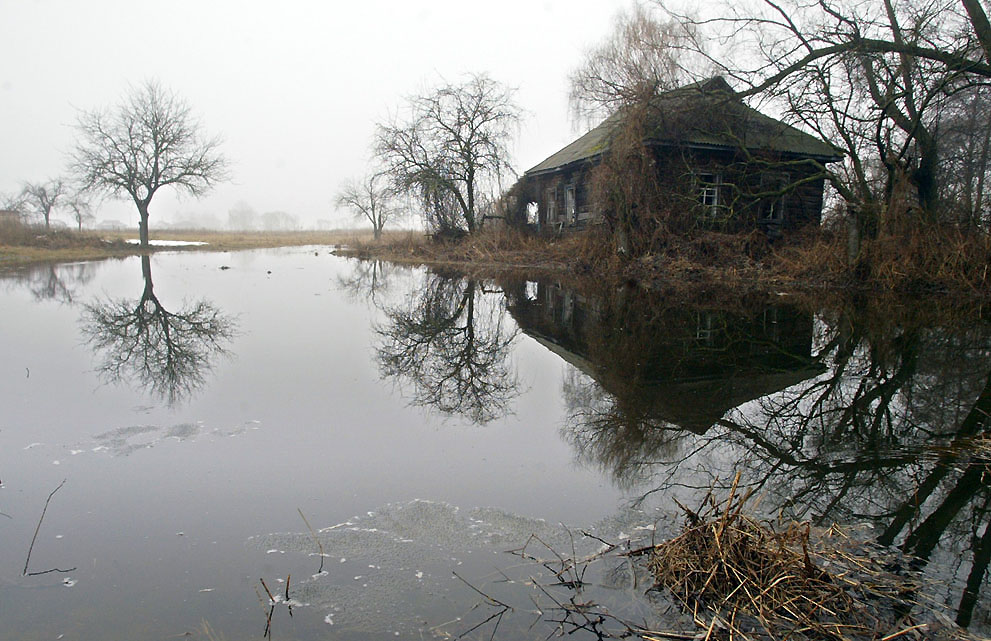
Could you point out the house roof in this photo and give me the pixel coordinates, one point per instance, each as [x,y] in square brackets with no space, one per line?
[705,114]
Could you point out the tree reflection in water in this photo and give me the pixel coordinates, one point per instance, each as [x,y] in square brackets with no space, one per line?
[449,341]
[368,279]
[55,282]
[841,416]
[166,353]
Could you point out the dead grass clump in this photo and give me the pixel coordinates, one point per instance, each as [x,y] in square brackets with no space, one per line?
[740,578]
[930,259]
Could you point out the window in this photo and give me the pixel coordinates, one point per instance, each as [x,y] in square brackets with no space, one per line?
[708,192]
[569,203]
[531,214]
[773,207]
[550,197]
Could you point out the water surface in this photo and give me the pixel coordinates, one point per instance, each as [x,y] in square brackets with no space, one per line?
[368,431]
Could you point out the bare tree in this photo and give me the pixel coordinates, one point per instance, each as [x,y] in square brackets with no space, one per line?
[242,216]
[965,157]
[369,199]
[642,55]
[82,210]
[148,141]
[279,221]
[873,77]
[452,144]
[44,198]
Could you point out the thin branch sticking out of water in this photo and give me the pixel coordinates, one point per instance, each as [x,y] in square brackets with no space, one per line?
[316,539]
[34,538]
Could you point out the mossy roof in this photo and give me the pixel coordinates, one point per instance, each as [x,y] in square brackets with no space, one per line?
[702,115]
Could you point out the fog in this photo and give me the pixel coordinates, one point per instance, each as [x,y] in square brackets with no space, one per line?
[294,88]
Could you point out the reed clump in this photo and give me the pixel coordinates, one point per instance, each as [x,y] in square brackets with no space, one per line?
[740,578]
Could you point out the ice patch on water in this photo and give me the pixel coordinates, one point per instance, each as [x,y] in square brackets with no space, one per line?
[168,243]
[413,548]
[33,445]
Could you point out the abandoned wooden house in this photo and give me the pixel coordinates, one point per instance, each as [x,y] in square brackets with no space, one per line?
[728,165]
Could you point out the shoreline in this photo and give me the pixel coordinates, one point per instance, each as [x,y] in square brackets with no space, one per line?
[712,266]
[63,246]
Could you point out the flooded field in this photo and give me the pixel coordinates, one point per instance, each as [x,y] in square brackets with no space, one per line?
[283,443]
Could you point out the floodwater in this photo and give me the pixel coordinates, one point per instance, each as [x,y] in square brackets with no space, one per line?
[186,439]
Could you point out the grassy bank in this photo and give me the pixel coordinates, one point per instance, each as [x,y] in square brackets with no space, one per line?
[26,244]
[940,263]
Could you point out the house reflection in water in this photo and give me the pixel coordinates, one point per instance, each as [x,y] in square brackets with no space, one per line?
[672,366]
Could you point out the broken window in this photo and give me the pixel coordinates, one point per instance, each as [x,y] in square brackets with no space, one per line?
[531,213]
[569,203]
[708,192]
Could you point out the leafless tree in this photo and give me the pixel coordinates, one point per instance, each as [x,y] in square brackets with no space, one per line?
[82,210]
[242,216]
[12,202]
[448,147]
[873,77]
[642,55]
[150,140]
[370,199]
[279,221]
[44,198]
[965,157]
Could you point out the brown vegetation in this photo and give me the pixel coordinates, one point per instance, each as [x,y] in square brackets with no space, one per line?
[21,243]
[940,261]
[742,578]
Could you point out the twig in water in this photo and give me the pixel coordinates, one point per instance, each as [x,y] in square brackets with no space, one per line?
[267,591]
[27,561]
[488,598]
[50,571]
[315,540]
[288,604]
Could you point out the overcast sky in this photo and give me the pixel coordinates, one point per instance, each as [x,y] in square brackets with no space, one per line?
[294,88]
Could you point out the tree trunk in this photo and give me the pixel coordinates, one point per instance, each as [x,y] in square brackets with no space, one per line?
[143,224]
[925,177]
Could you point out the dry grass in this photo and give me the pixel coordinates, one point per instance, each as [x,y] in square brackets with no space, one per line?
[742,579]
[23,244]
[923,260]
[940,262]
[499,251]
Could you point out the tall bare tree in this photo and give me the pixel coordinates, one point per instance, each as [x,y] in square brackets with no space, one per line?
[642,55]
[448,147]
[874,77]
[44,198]
[370,199]
[150,140]
[82,210]
[242,216]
